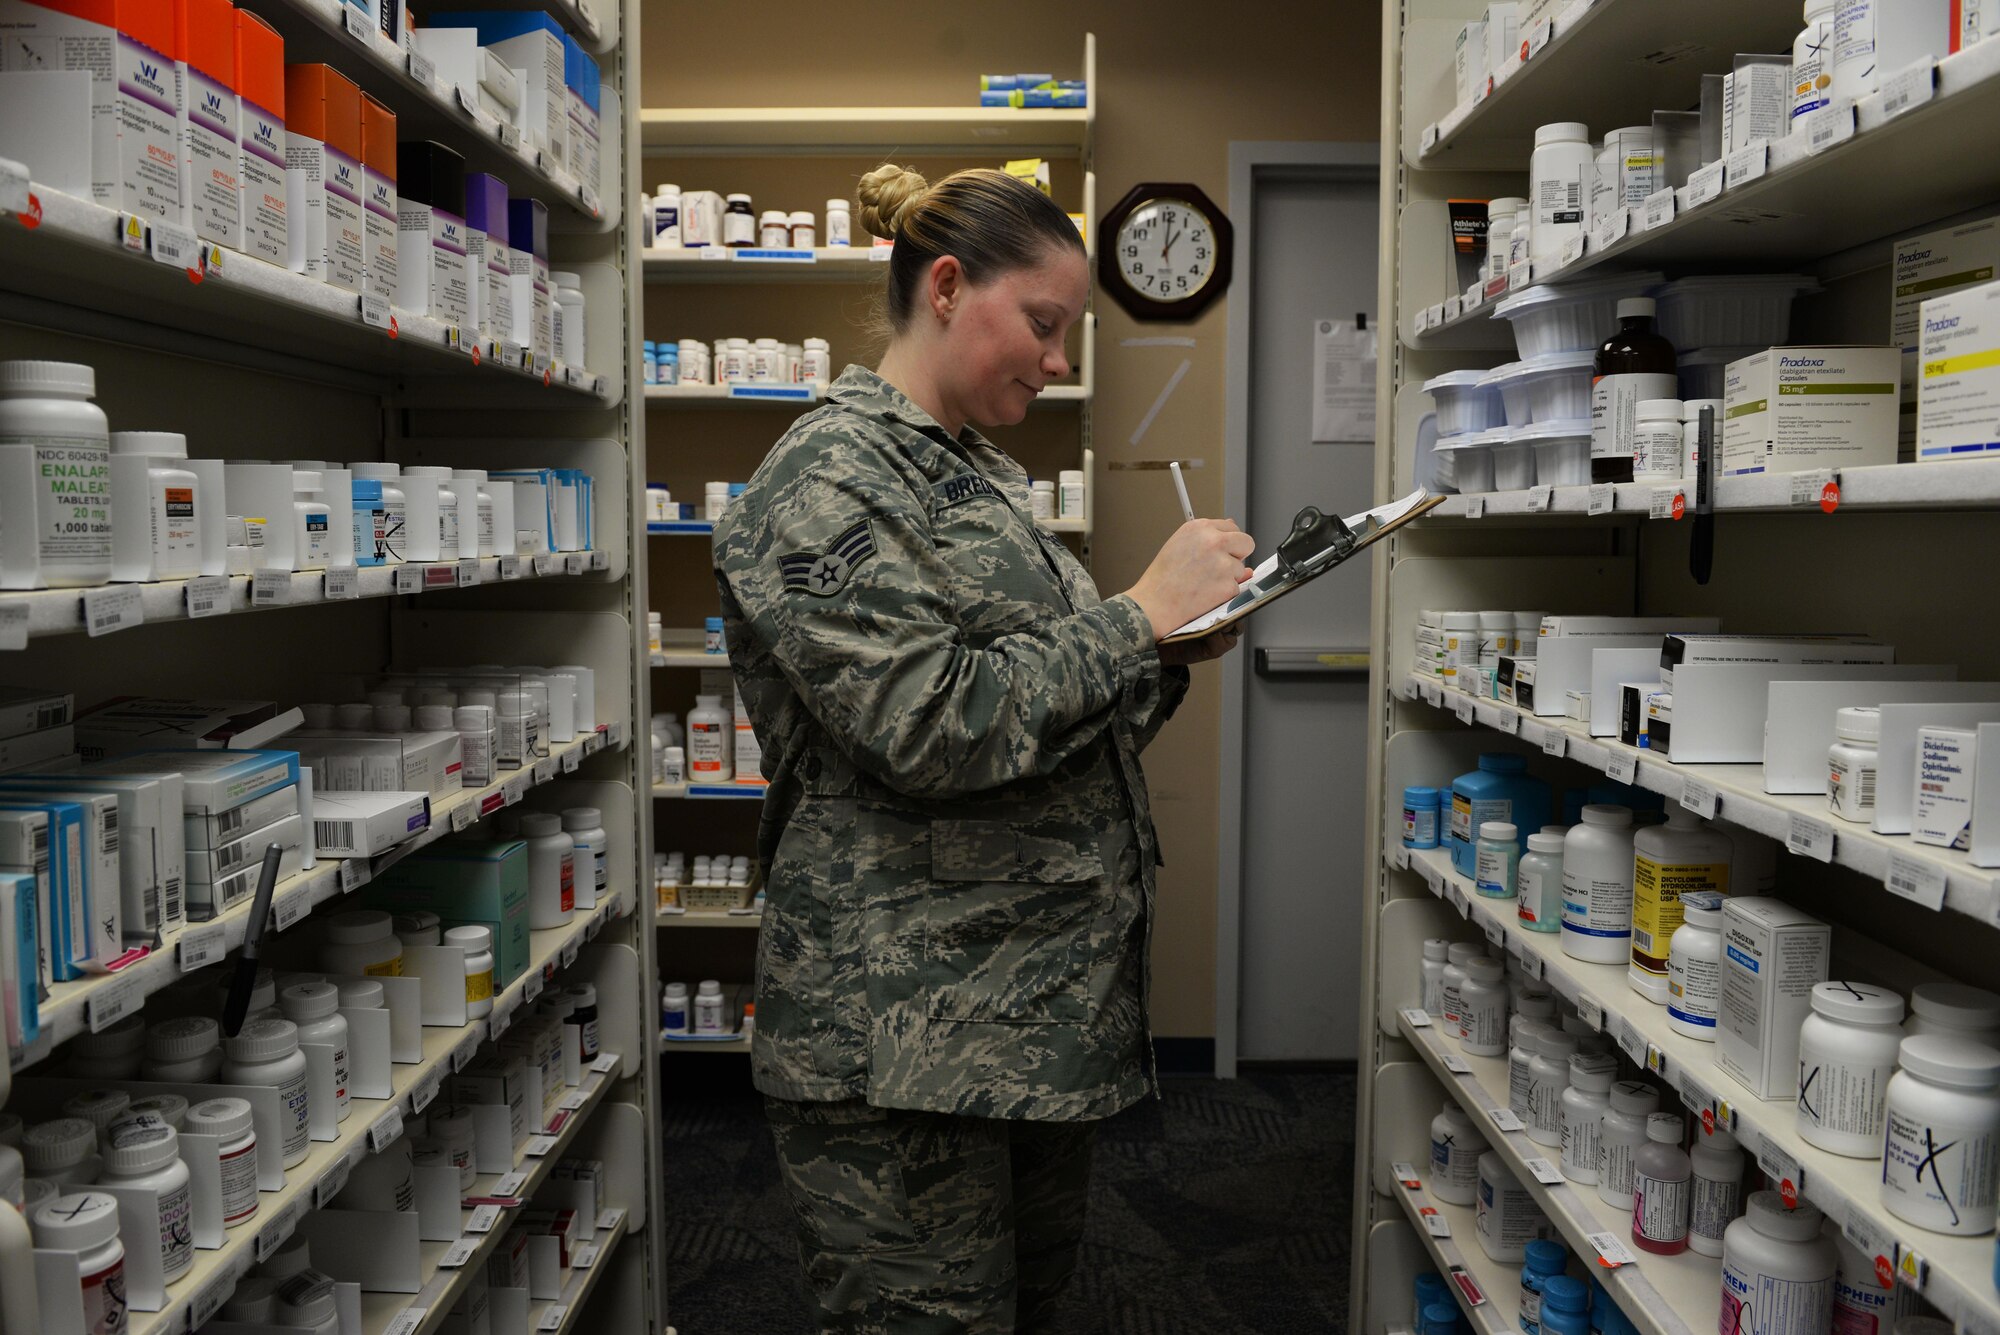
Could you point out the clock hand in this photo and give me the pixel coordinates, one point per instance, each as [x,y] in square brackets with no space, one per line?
[1167,250]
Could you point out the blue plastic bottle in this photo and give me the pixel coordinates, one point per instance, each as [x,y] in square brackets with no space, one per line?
[1600,1303]
[1544,1260]
[1565,1306]
[1442,1319]
[1615,1320]
[1420,817]
[1430,1289]
[1500,789]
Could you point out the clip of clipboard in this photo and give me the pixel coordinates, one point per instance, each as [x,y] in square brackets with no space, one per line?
[1318,543]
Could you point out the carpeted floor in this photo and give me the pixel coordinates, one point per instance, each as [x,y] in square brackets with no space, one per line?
[1223,1207]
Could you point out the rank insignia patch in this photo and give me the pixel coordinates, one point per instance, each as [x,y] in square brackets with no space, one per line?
[823,574]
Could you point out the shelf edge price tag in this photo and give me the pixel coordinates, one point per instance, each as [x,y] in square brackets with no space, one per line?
[1747,164]
[1572,251]
[342,582]
[14,621]
[1811,838]
[1430,138]
[461,816]
[1464,708]
[572,759]
[1545,1172]
[1538,37]
[271,588]
[1538,498]
[357,24]
[406,1321]
[330,1182]
[510,136]
[1520,275]
[1611,230]
[1590,1011]
[1667,503]
[545,563]
[553,1316]
[539,1146]
[422,70]
[1611,1253]
[1783,1169]
[112,608]
[1508,722]
[510,567]
[1907,88]
[174,246]
[200,945]
[606,1064]
[210,1300]
[1399,857]
[113,1001]
[1602,498]
[483,1219]
[14,187]
[583,1257]
[1659,208]
[468,572]
[1915,880]
[1435,1224]
[1622,766]
[422,1094]
[1416,1017]
[1554,743]
[289,909]
[1504,1118]
[387,1130]
[207,596]
[1700,798]
[354,873]
[409,579]
[1826,127]
[1456,1064]
[1808,486]
[376,312]
[458,1253]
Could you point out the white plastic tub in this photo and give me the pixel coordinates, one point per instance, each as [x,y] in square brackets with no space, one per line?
[1554,386]
[1472,459]
[1514,394]
[1701,371]
[1570,317]
[1463,404]
[1513,462]
[1562,451]
[1730,310]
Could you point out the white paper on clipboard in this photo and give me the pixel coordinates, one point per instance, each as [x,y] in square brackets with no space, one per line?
[1343,383]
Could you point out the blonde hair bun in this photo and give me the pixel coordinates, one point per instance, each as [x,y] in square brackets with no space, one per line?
[888,196]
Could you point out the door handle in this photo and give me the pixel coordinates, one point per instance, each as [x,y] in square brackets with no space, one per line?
[1324,664]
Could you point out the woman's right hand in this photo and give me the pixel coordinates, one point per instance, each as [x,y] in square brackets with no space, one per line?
[1198,569]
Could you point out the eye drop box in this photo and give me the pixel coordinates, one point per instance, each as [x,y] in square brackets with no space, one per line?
[1944,787]
[531,43]
[152,856]
[214,781]
[379,221]
[323,175]
[1925,268]
[491,256]
[467,882]
[25,850]
[430,232]
[1772,955]
[582,99]
[261,141]
[528,239]
[20,952]
[94,910]
[1789,409]
[211,181]
[1958,395]
[350,825]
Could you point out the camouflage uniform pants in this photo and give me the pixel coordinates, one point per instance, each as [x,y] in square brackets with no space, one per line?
[916,1223]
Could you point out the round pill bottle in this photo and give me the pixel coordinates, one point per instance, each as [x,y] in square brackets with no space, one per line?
[1777,1271]
[1524,1038]
[1565,1306]
[419,927]
[1597,886]
[293,1257]
[184,1050]
[1717,1161]
[266,1052]
[361,941]
[1935,1008]
[361,994]
[708,1007]
[1455,1149]
[1623,1132]
[477,943]
[585,827]
[145,1152]
[46,415]
[583,1020]
[802,228]
[1560,172]
[1442,1319]
[1847,1053]
[1437,952]
[1694,966]
[1542,1259]
[452,1129]
[254,1301]
[87,1223]
[112,1053]
[1862,1303]
[1430,1288]
[674,1008]
[1943,1140]
[169,1108]
[1502,216]
[1457,956]
[1538,881]
[1632,365]
[1667,861]
[1548,1077]
[1850,763]
[1496,637]
[551,870]
[99,1107]
[739,222]
[1662,1187]
[305,1302]
[1583,1106]
[1496,859]
[382,1181]
[315,1009]
[1420,818]
[1461,656]
[1812,66]
[1482,1008]
[63,1150]
[1656,441]
[230,1121]
[1507,1217]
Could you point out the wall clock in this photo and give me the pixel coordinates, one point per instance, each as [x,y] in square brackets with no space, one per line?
[1163,251]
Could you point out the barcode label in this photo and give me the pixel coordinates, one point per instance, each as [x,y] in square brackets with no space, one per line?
[113,1001]
[1704,185]
[13,626]
[174,246]
[1554,742]
[342,582]
[422,70]
[207,596]
[358,26]
[458,1253]
[1810,838]
[387,1130]
[1601,497]
[1660,208]
[553,1316]
[271,588]
[201,945]
[291,908]
[119,607]
[406,1321]
[1700,798]
[1826,127]
[1622,766]
[1908,88]
[1914,879]
[329,835]
[1747,164]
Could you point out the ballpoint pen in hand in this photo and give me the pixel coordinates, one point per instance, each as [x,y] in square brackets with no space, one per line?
[244,981]
[1180,485]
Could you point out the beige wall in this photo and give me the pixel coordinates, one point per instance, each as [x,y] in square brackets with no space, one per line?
[1177,81]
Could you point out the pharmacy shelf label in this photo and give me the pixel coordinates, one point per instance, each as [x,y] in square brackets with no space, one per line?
[1504,1118]
[201,945]
[1826,127]
[1538,498]
[14,619]
[407,1321]
[1907,88]
[1809,837]
[1667,503]
[1435,1224]
[1916,880]
[342,582]
[1416,1017]
[387,1130]
[13,187]
[354,873]
[553,1317]
[209,1301]
[176,247]
[1538,37]
[1622,766]
[423,71]
[1659,208]
[376,312]
[458,1253]
[1611,229]
[207,596]
[1700,798]
[1611,1253]
[331,1182]
[1545,1172]
[510,136]
[1554,743]
[118,607]
[271,588]
[1747,164]
[1602,497]
[113,1001]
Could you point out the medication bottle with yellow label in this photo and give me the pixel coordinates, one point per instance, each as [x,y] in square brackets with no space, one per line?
[1667,861]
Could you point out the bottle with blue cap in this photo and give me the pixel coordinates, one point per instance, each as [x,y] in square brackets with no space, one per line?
[1420,817]
[1430,1289]
[712,636]
[1543,1260]
[1565,1306]
[1443,1319]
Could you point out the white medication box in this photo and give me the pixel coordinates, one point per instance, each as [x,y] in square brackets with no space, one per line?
[1944,789]
[1924,268]
[1958,390]
[1772,954]
[1789,409]
[347,825]
[1896,748]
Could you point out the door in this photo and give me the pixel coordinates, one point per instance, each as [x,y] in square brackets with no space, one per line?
[1304,738]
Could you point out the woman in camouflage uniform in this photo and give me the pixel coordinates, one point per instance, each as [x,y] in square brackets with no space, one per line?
[952,978]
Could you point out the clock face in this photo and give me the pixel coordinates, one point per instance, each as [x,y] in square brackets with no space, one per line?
[1166,250]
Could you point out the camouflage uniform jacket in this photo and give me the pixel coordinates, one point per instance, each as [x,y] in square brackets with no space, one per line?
[958,850]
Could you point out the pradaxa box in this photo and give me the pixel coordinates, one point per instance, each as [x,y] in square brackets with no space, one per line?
[1958,390]
[1924,268]
[1789,409]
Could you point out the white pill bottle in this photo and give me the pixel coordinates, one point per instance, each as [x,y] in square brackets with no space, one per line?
[1777,1271]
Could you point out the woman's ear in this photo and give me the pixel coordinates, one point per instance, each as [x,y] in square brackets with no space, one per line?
[947,285]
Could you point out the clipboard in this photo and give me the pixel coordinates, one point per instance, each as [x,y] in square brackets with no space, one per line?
[1317,543]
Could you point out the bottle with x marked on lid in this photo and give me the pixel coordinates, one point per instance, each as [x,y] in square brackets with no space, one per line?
[1847,1052]
[1942,1136]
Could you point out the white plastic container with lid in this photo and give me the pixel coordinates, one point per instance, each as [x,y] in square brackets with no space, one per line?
[99,1107]
[1656,441]
[1465,403]
[1560,173]
[55,472]
[1482,1012]
[433,509]
[1847,1053]
[1437,952]
[476,481]
[1502,215]
[711,729]
[1941,1152]
[1457,956]
[1662,1187]
[1538,883]
[551,870]
[419,927]
[1777,1270]
[1548,1077]
[395,507]
[708,1007]
[839,223]
[87,1223]
[158,508]
[774,229]
[1527,633]
[64,1150]
[1496,859]
[1461,649]
[1812,70]
[109,1054]
[585,827]
[1694,966]
[567,312]
[1496,634]
[266,1052]
[314,1009]
[1855,75]
[816,367]
[312,523]
[361,994]
[1850,762]
[513,729]
[1935,1008]
[453,1129]
[674,1008]
[1069,493]
[305,1302]
[1623,1132]
[666,226]
[169,1108]
[739,222]
[1862,1303]
[361,941]
[1597,886]
[1582,1110]
[1685,854]
[1717,1162]
[1456,1144]
[145,1152]
[1562,451]
[477,943]
[1524,1037]
[802,232]
[1507,1218]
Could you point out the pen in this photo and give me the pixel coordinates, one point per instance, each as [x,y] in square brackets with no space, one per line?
[244,980]
[1187,507]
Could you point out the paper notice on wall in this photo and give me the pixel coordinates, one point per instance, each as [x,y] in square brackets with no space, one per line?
[1343,383]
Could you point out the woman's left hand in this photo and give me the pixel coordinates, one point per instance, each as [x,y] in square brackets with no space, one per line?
[1213,645]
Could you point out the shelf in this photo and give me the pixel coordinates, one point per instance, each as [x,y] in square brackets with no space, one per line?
[720,264]
[1458,1254]
[749,918]
[72,263]
[560,1316]
[733,1043]
[840,131]
[735,790]
[1957,1274]
[96,1001]
[61,611]
[684,649]
[443,1285]
[692,528]
[804,396]
[1971,484]
[1664,1295]
[204,1288]
[1800,822]
[1607,64]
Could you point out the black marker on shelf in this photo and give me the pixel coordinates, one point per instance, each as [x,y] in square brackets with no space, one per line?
[244,981]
